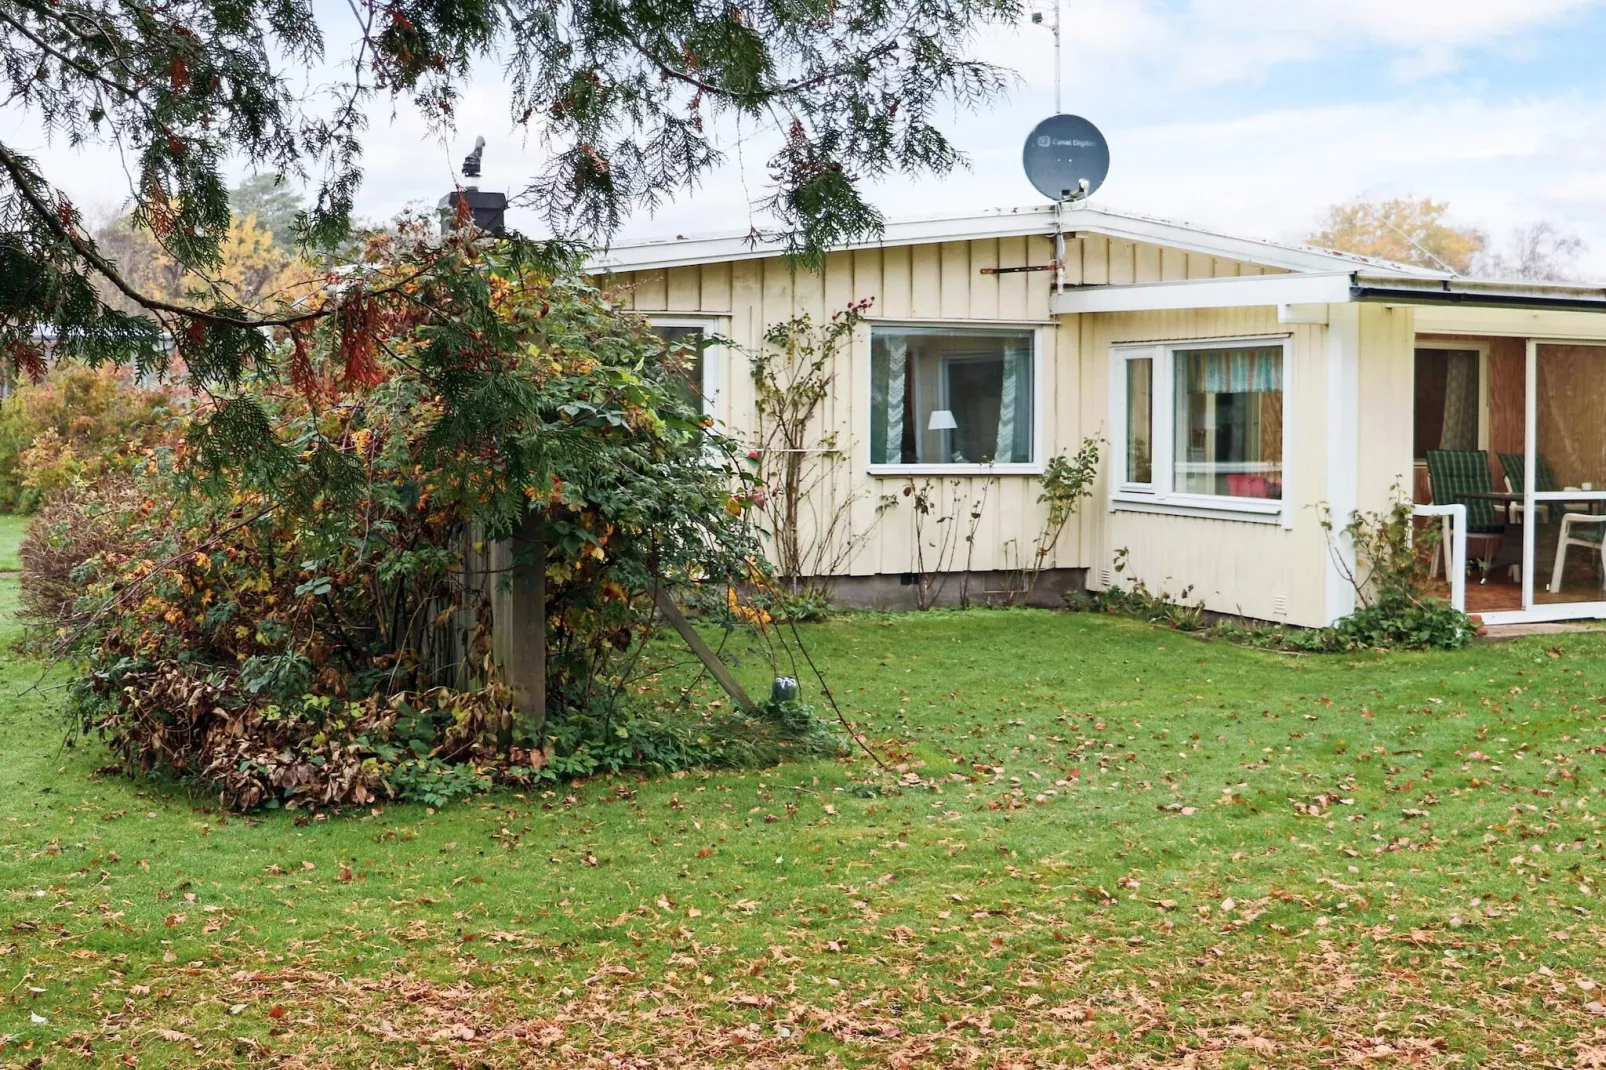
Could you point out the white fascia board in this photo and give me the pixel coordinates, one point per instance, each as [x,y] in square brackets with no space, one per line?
[1328,288]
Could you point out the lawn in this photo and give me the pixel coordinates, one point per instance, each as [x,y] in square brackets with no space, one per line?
[11,527]
[1100,843]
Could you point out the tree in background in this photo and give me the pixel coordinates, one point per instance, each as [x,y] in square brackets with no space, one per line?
[1541,252]
[76,427]
[253,268]
[1410,231]
[1405,230]
[274,203]
[257,258]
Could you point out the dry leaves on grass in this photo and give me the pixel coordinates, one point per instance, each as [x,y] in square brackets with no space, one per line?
[1310,1006]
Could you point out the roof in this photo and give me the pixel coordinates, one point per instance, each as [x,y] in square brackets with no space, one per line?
[1083,216]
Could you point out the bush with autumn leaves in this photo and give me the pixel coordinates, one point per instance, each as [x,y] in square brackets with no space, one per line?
[278,606]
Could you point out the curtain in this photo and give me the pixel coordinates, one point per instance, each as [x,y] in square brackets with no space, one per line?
[1460,402]
[897,374]
[1234,371]
[1014,410]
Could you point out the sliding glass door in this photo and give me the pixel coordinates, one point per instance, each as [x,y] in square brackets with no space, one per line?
[1562,480]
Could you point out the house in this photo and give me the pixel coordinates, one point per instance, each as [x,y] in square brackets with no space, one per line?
[1244,389]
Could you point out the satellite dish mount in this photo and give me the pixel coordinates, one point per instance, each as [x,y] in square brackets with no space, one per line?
[1066,159]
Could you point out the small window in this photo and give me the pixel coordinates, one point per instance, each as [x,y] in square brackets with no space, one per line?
[942,395]
[1199,427]
[1229,422]
[683,344]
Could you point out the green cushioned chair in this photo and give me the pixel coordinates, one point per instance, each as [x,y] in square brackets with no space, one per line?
[1516,479]
[1454,474]
[1457,473]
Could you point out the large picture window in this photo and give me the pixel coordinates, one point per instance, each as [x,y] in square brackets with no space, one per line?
[951,396]
[1201,424]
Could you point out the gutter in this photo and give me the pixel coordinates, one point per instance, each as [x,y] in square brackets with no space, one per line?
[1449,292]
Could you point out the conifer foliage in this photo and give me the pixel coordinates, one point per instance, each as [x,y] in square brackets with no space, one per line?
[628,96]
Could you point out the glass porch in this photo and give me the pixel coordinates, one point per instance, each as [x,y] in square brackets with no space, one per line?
[1515,430]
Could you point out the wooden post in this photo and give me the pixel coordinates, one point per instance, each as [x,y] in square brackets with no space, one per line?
[524,661]
[705,654]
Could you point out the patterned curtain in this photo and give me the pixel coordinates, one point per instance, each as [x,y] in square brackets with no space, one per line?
[1460,402]
[897,373]
[1014,411]
[1234,371]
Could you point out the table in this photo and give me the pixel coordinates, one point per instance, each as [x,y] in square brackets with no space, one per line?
[1510,552]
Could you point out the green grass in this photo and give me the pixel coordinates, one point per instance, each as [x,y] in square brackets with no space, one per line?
[11,527]
[1410,846]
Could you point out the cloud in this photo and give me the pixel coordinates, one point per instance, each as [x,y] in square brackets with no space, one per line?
[1222,42]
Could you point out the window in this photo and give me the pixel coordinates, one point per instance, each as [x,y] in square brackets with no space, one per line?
[684,343]
[951,396]
[1201,425]
[1140,420]
[1229,422]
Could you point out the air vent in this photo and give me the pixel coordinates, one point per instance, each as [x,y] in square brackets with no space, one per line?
[1279,606]
[1106,577]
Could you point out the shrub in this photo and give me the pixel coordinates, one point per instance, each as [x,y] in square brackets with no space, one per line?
[73,428]
[300,631]
[66,545]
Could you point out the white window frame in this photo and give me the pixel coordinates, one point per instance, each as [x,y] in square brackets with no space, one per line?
[1161,495]
[713,355]
[1034,467]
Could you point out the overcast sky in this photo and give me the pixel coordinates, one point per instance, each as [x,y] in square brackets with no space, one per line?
[1248,115]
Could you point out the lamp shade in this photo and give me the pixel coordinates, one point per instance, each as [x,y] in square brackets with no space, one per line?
[942,420]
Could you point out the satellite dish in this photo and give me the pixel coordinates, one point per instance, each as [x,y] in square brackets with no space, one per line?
[1066,158]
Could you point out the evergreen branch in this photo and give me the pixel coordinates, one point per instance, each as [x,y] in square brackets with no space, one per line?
[86,250]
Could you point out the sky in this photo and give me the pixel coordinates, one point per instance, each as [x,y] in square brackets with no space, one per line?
[1250,116]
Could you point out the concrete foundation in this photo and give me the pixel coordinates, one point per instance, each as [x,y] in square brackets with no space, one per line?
[894,592]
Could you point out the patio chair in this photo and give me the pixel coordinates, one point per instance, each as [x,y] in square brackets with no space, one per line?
[1516,479]
[1579,529]
[1453,474]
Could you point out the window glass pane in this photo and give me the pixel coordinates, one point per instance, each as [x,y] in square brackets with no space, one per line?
[944,396]
[683,346]
[1568,563]
[1139,420]
[1229,422]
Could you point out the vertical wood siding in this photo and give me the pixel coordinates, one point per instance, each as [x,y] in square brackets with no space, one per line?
[1261,570]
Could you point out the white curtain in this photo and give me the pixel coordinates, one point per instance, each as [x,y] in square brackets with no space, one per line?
[1009,450]
[897,374]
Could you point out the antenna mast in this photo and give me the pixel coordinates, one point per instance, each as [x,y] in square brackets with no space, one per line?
[1037,20]
[1058,110]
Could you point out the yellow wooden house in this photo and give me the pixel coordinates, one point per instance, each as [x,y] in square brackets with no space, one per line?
[1243,389]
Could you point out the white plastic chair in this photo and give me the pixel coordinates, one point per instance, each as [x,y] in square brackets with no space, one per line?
[1598,544]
